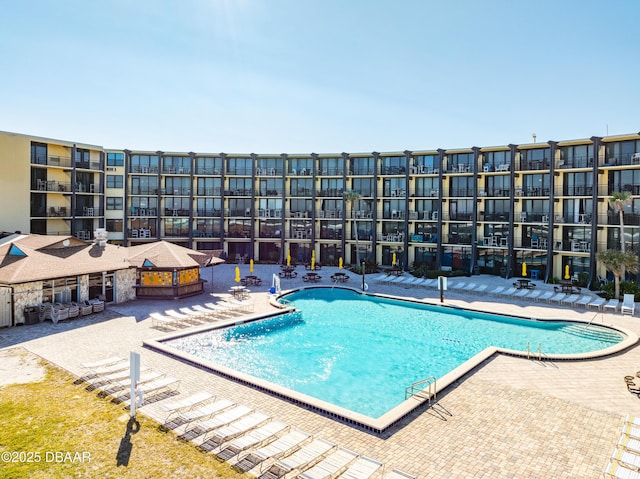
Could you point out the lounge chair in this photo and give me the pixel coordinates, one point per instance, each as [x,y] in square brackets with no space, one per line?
[508,292]
[628,305]
[430,283]
[122,365]
[219,308]
[280,447]
[330,466]
[521,293]
[103,362]
[246,306]
[206,312]
[557,298]
[97,305]
[470,287]
[303,458]
[363,468]
[583,301]
[181,317]
[159,320]
[570,299]
[480,289]
[534,295]
[252,439]
[219,420]
[626,457]
[497,290]
[629,443]
[74,309]
[545,296]
[618,471]
[381,278]
[187,403]
[597,303]
[164,385]
[235,429]
[86,308]
[203,411]
[458,286]
[114,388]
[612,304]
[398,474]
[190,312]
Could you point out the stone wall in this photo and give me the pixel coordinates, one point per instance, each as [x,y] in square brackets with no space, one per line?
[125,285]
[25,295]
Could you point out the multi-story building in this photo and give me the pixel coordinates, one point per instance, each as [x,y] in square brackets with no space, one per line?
[479,209]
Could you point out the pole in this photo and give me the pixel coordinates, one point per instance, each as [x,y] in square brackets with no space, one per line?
[134,365]
[363,271]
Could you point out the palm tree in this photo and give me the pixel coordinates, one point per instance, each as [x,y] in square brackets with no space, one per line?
[351,197]
[618,262]
[617,201]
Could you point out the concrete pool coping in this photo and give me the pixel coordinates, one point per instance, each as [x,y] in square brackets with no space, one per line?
[403,410]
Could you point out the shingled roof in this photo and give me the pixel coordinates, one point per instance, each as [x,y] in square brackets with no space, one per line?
[25,258]
[162,254]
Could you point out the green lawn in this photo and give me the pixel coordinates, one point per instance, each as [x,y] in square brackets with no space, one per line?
[58,429]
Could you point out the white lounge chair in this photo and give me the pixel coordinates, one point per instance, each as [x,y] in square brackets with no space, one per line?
[302,458]
[280,447]
[219,308]
[497,290]
[521,293]
[190,312]
[480,289]
[618,470]
[628,305]
[103,362]
[235,429]
[181,317]
[583,301]
[330,466]
[252,439]
[398,474]
[597,303]
[534,295]
[381,278]
[545,296]
[363,468]
[470,287]
[557,298]
[160,320]
[220,420]
[430,283]
[570,299]
[203,411]
[187,403]
[206,312]
[458,286]
[508,292]
[611,304]
[162,385]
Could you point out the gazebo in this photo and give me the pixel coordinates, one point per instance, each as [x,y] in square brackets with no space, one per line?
[169,271]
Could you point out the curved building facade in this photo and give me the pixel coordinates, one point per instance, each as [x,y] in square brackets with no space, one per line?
[479,209]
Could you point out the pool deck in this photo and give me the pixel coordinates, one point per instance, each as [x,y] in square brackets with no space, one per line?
[512,417]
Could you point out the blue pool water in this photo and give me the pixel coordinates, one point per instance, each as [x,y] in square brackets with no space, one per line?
[360,352]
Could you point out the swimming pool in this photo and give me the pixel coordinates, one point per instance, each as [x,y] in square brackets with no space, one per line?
[360,352]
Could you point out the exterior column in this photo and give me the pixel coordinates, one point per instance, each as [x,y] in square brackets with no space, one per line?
[159,217]
[343,241]
[374,213]
[125,222]
[512,183]
[254,161]
[474,218]
[223,174]
[553,145]
[192,169]
[440,197]
[593,263]
[407,182]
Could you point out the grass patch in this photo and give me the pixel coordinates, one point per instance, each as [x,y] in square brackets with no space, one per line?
[67,431]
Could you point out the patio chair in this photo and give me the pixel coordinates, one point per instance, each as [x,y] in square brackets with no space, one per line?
[97,304]
[430,283]
[180,317]
[103,362]
[330,466]
[74,309]
[534,295]
[570,299]
[459,285]
[480,289]
[186,403]
[235,429]
[545,296]
[470,287]
[252,439]
[280,447]
[508,292]
[219,420]
[521,293]
[497,290]
[219,308]
[613,304]
[363,468]
[159,320]
[557,298]
[398,474]
[628,305]
[618,471]
[597,303]
[164,385]
[583,301]
[304,457]
[203,411]
[86,308]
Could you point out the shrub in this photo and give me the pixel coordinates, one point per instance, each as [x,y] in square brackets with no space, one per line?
[626,287]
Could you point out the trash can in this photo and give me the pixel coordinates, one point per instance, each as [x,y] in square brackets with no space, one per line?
[272,290]
[31,315]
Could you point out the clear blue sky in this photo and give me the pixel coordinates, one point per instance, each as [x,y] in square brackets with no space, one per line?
[302,76]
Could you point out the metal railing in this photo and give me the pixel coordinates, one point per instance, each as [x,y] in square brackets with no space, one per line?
[424,389]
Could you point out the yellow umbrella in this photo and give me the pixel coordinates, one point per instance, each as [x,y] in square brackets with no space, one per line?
[566,272]
[313,260]
[393,260]
[524,270]
[289,258]
[251,266]
[237,274]
[340,263]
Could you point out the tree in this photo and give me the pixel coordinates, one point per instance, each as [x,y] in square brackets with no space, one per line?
[351,197]
[618,262]
[617,201]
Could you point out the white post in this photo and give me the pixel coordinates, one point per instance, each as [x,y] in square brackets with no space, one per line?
[134,365]
[442,286]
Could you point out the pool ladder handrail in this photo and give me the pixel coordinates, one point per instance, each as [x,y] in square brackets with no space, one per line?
[539,351]
[418,389]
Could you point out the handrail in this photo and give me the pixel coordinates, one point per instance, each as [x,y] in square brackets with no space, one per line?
[418,389]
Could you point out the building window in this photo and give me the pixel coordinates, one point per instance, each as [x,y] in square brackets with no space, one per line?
[114,226]
[114,181]
[114,203]
[115,159]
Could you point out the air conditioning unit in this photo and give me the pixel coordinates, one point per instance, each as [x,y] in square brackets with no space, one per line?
[110,168]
